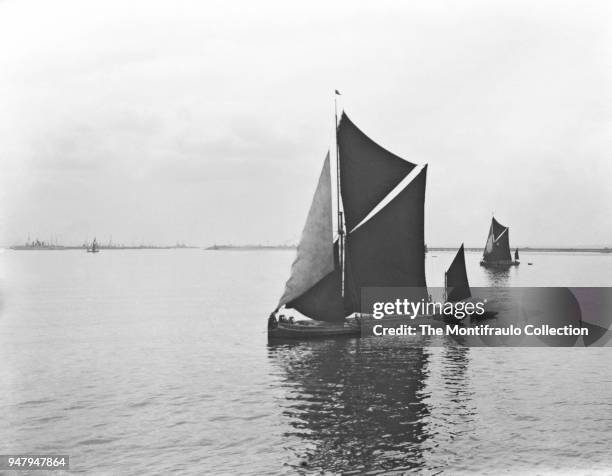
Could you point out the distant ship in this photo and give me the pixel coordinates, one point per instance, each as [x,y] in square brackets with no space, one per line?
[37,245]
[497,249]
[94,248]
[380,239]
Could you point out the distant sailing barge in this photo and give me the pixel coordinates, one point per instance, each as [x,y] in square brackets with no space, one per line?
[497,250]
[380,240]
[94,248]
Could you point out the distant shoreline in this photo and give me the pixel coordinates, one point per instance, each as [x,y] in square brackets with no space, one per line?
[250,247]
[281,247]
[64,248]
[292,247]
[528,249]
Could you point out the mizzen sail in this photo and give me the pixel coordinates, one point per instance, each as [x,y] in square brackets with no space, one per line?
[456,282]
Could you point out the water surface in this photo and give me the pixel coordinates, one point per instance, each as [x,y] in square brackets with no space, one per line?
[150,361]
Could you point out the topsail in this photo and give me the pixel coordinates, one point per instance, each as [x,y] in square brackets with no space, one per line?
[367,172]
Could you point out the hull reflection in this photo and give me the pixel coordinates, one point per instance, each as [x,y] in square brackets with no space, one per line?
[354,405]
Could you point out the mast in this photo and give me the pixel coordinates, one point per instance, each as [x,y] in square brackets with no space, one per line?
[445,284]
[340,218]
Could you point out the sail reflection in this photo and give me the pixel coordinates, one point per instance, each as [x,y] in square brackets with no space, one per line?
[355,404]
[498,277]
[457,392]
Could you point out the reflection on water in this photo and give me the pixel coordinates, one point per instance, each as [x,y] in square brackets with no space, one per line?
[371,406]
[498,276]
[454,375]
[374,405]
[358,403]
[129,361]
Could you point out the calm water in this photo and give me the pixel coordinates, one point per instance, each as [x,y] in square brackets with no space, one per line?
[145,362]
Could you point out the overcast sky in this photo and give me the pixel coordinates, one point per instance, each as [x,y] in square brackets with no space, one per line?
[208,121]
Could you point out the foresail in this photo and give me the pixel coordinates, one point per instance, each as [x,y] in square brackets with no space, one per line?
[368,172]
[457,285]
[315,254]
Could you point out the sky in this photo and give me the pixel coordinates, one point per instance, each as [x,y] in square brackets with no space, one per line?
[208,122]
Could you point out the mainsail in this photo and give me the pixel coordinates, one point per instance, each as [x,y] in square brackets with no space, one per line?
[497,248]
[456,280]
[383,199]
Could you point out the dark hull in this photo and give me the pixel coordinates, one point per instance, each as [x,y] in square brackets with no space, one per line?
[317,329]
[499,264]
[314,330]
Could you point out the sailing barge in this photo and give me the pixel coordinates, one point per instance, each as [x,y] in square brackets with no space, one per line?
[457,285]
[379,241]
[497,249]
[94,248]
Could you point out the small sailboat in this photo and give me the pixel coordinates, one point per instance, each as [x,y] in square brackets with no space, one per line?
[516,255]
[94,247]
[497,249]
[457,285]
[379,241]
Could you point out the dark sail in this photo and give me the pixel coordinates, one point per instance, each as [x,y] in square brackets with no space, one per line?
[516,255]
[457,285]
[498,244]
[388,249]
[323,301]
[383,199]
[367,172]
